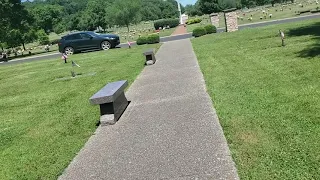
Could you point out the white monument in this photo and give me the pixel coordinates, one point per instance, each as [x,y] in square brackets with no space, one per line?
[184,18]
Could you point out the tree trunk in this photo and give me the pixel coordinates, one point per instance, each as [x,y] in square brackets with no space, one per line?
[128,27]
[24,48]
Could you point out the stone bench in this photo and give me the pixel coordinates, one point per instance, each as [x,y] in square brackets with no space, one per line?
[150,56]
[112,101]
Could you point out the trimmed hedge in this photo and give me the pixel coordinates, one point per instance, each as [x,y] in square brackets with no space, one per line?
[150,39]
[210,29]
[193,21]
[199,31]
[166,22]
[153,38]
[142,40]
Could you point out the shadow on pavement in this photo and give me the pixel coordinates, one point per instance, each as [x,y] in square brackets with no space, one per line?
[313,30]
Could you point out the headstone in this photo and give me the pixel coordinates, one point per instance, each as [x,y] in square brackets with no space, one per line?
[214,17]
[230,17]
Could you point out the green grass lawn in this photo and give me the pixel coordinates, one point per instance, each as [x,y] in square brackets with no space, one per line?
[267,97]
[44,122]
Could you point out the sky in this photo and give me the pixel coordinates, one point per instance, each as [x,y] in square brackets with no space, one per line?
[183,2]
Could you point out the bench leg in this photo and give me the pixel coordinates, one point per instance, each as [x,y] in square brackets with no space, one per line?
[117,107]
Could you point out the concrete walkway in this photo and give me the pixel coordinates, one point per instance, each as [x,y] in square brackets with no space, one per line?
[169,131]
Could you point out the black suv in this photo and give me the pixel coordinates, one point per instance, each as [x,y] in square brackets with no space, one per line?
[82,41]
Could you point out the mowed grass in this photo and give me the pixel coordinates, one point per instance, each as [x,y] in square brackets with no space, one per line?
[267,97]
[45,122]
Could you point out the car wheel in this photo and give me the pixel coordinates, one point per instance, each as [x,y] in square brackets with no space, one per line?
[69,50]
[105,45]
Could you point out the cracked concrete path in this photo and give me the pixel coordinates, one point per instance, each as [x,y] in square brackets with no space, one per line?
[170,130]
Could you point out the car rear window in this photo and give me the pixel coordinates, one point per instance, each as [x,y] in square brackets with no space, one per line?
[73,37]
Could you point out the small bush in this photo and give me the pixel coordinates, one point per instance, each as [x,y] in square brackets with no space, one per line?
[199,31]
[42,37]
[142,40]
[55,41]
[193,21]
[9,51]
[150,39]
[210,29]
[153,38]
[166,22]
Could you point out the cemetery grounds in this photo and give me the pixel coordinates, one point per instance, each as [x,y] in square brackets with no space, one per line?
[142,29]
[289,10]
[45,121]
[267,97]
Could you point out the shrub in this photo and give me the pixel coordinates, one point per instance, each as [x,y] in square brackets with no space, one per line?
[55,41]
[153,38]
[142,40]
[42,37]
[150,39]
[197,20]
[210,29]
[9,52]
[199,31]
[166,22]
[193,21]
[59,28]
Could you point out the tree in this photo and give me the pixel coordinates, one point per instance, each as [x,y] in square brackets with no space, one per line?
[94,15]
[226,4]
[151,10]
[47,16]
[193,10]
[42,37]
[12,15]
[123,13]
[18,37]
[59,28]
[17,24]
[208,6]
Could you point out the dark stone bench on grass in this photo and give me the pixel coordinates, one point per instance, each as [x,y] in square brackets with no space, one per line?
[112,101]
[150,56]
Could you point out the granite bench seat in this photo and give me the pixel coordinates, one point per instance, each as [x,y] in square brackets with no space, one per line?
[111,99]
